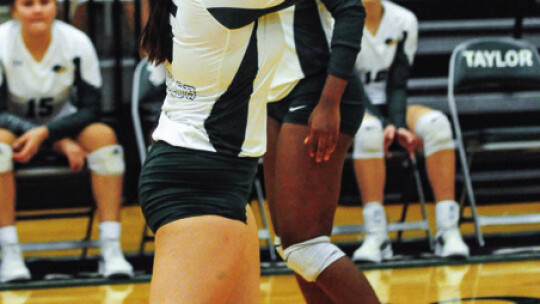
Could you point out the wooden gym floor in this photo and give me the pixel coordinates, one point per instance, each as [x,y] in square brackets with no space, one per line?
[501,282]
[490,283]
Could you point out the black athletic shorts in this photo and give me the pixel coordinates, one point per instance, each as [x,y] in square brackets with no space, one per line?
[298,105]
[177,183]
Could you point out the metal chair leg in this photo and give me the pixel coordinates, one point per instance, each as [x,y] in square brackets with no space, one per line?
[470,192]
[420,189]
[88,234]
[260,201]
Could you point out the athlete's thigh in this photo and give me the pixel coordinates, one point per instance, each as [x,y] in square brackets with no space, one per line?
[269,166]
[269,159]
[414,112]
[246,290]
[306,191]
[6,136]
[95,136]
[196,260]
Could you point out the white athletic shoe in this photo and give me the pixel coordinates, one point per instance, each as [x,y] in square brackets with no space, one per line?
[112,263]
[375,248]
[12,267]
[449,243]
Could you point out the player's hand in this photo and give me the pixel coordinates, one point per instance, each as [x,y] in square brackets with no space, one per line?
[28,144]
[74,153]
[407,140]
[323,126]
[323,123]
[389,134]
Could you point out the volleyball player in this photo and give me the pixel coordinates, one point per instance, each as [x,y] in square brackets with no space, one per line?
[49,98]
[195,183]
[310,128]
[388,47]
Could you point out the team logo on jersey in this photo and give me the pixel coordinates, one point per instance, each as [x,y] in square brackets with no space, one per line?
[59,69]
[390,41]
[179,90]
[498,59]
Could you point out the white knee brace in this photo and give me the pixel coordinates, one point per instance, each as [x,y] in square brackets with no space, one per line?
[434,129]
[108,160]
[6,161]
[368,142]
[312,257]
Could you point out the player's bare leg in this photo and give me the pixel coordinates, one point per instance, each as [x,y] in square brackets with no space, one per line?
[306,199]
[106,163]
[435,131]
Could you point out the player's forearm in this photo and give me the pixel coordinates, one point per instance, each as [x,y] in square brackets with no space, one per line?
[15,123]
[397,107]
[332,92]
[72,125]
[349,18]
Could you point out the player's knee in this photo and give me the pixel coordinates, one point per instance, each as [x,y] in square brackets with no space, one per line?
[108,160]
[6,162]
[310,258]
[6,136]
[99,134]
[368,142]
[436,132]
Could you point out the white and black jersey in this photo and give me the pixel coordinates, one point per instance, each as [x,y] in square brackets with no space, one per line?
[219,74]
[60,91]
[386,58]
[320,36]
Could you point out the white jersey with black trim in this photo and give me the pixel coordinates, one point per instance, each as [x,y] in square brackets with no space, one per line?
[218,78]
[378,51]
[289,71]
[40,91]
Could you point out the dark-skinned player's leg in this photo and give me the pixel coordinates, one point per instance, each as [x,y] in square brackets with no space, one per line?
[306,197]
[269,164]
[312,293]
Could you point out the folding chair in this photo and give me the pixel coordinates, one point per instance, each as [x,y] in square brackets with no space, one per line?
[401,225]
[485,66]
[34,176]
[143,94]
[143,90]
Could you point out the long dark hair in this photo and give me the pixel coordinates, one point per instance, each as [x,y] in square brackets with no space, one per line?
[156,40]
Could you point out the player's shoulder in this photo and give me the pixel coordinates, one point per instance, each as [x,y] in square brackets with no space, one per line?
[8,28]
[71,35]
[399,13]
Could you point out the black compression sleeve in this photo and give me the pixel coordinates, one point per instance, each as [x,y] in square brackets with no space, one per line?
[349,18]
[396,87]
[88,102]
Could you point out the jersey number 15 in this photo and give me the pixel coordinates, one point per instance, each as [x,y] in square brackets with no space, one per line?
[39,108]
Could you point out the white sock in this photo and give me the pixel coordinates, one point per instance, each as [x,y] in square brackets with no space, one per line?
[8,235]
[374,218]
[277,240]
[447,215]
[109,230]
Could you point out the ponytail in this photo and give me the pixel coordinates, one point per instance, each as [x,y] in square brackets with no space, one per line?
[156,37]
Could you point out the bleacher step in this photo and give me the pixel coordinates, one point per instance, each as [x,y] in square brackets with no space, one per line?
[523,190]
[502,175]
